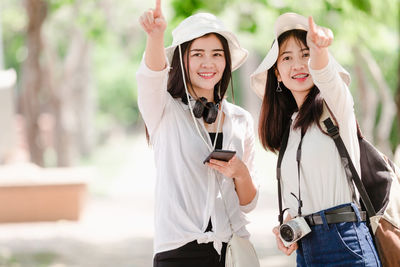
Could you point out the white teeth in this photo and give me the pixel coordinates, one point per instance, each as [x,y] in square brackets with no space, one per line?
[206,74]
[300,76]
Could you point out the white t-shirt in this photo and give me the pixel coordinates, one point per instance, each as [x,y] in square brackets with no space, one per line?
[187,193]
[323,179]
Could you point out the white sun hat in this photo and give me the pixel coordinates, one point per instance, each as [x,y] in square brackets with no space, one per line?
[203,23]
[284,23]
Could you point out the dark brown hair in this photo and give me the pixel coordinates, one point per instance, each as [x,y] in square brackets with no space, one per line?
[278,107]
[175,85]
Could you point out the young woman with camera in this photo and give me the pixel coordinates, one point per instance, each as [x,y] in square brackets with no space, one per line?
[181,96]
[295,78]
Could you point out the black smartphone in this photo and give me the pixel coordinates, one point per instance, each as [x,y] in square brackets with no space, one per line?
[219,154]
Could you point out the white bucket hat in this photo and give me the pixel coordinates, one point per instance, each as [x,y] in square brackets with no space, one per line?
[203,23]
[285,22]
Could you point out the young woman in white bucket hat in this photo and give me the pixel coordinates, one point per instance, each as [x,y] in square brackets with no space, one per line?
[294,79]
[181,92]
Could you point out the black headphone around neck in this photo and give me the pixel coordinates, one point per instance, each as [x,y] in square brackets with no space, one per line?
[202,108]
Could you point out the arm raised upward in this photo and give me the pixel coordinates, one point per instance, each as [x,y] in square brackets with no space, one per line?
[154,24]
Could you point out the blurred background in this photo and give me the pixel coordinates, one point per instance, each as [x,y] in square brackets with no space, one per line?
[76,174]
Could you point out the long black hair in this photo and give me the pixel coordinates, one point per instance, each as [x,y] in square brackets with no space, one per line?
[278,107]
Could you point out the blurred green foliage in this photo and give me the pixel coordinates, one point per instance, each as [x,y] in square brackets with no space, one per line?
[113,65]
[13,28]
[187,8]
[115,83]
[54,5]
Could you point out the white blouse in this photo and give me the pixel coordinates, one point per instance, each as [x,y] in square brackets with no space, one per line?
[187,193]
[323,179]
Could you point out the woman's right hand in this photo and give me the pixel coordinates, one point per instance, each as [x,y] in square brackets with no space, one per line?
[153,21]
[287,250]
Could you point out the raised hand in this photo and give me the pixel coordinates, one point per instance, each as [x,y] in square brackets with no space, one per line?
[318,37]
[153,21]
[318,40]
[154,24]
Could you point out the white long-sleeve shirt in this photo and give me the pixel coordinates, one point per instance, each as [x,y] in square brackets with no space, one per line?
[323,179]
[187,193]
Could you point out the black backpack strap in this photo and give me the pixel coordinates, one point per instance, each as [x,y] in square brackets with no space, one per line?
[282,149]
[333,132]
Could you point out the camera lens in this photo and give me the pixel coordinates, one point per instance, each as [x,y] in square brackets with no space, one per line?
[287,233]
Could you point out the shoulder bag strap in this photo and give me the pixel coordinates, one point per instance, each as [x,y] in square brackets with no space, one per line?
[333,132]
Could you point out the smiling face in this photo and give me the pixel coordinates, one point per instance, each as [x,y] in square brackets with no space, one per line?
[206,65]
[292,68]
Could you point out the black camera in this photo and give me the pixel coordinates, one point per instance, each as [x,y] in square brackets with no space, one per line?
[293,230]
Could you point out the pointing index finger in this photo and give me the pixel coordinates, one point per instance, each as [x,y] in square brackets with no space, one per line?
[311,25]
[158,6]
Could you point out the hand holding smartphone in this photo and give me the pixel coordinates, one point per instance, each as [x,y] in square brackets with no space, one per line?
[219,154]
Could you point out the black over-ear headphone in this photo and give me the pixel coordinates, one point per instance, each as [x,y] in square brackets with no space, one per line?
[207,110]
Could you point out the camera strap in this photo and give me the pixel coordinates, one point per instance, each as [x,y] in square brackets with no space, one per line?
[282,149]
[298,159]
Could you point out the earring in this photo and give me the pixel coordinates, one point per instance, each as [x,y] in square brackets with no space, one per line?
[278,88]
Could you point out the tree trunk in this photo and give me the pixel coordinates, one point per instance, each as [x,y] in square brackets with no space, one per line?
[84,102]
[398,100]
[367,97]
[73,103]
[71,95]
[32,77]
[397,151]
[251,102]
[385,123]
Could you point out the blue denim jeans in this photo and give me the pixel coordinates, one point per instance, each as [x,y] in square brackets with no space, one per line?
[338,244]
